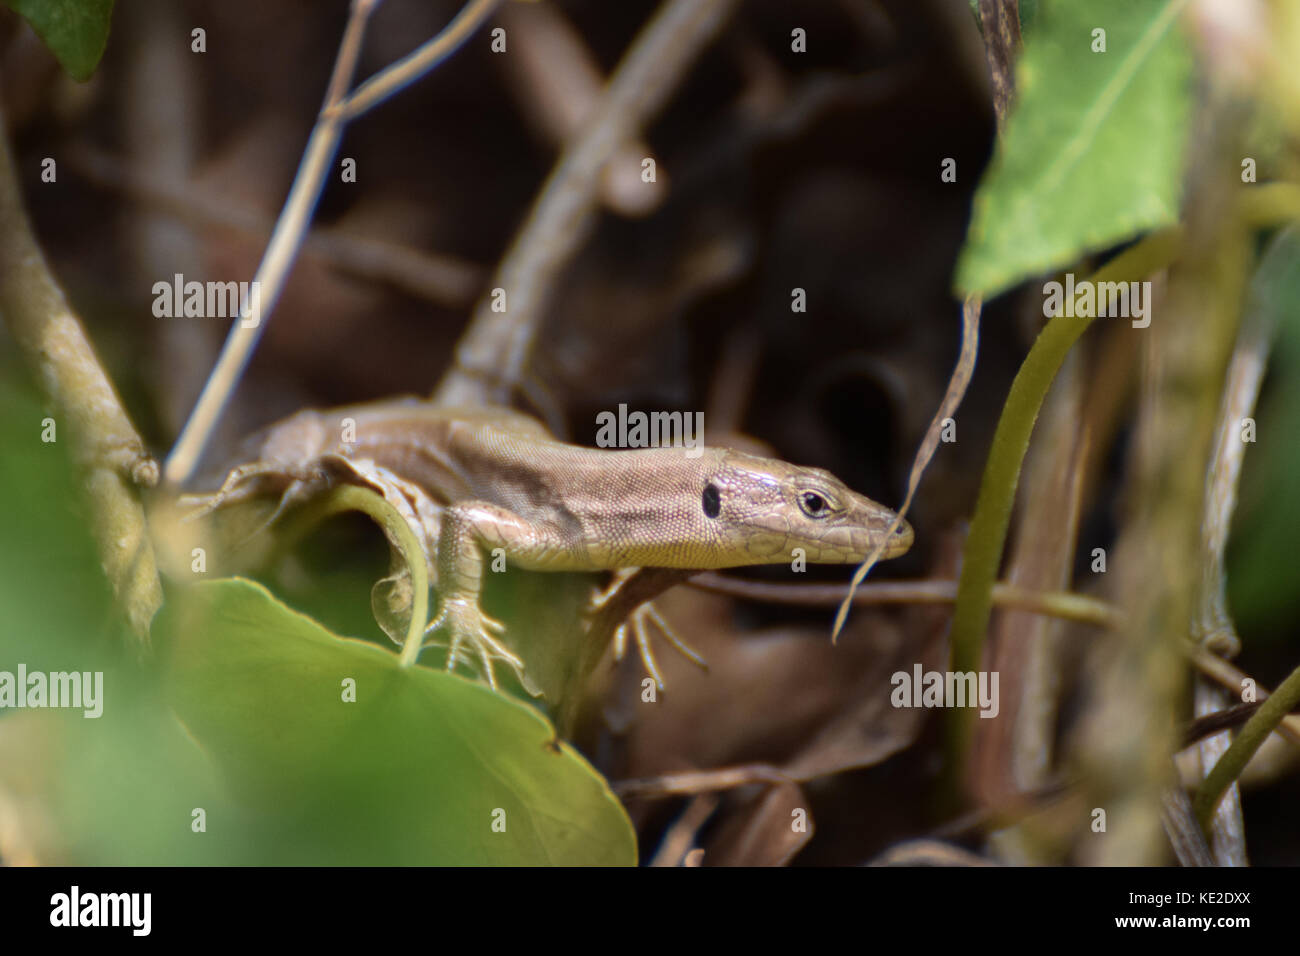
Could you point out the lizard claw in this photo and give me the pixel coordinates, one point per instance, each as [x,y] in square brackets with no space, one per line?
[468,627]
[639,622]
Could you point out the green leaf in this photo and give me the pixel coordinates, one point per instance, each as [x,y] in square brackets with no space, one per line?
[114,789]
[241,716]
[416,771]
[1028,15]
[1093,150]
[122,789]
[52,588]
[76,31]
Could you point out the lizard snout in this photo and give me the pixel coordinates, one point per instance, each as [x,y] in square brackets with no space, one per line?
[878,526]
[901,541]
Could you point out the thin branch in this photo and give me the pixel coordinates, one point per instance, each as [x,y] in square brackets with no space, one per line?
[691,782]
[1001,22]
[273,271]
[495,349]
[1265,720]
[559,82]
[1208,725]
[1061,604]
[105,444]
[393,79]
[444,280]
[1234,680]
[928,853]
[679,840]
[1212,625]
[1185,836]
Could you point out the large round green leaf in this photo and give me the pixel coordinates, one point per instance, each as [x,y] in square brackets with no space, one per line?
[358,760]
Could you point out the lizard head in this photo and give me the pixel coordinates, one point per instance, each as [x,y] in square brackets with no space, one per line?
[775,507]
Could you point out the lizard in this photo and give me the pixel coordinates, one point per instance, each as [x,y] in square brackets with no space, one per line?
[500,480]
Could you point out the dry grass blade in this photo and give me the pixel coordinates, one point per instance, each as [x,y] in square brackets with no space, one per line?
[957,385]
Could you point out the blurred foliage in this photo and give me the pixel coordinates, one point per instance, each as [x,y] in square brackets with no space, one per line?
[1093,150]
[1261,558]
[812,170]
[56,601]
[75,30]
[242,715]
[112,789]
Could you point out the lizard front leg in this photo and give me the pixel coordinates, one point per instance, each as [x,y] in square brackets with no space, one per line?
[470,531]
[627,605]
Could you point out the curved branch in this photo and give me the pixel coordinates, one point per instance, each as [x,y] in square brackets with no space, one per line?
[105,445]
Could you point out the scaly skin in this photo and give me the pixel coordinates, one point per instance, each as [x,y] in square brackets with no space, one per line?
[505,483]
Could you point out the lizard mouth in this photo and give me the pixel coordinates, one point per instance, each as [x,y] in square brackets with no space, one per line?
[855,545]
[900,542]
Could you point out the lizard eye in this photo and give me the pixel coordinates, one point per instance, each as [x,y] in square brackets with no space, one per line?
[814,505]
[711,501]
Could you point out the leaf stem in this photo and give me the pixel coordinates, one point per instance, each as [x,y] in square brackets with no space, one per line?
[988,530]
[1229,766]
[342,498]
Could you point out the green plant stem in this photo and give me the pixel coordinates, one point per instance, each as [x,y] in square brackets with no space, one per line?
[1262,206]
[988,530]
[1270,204]
[1229,766]
[371,503]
